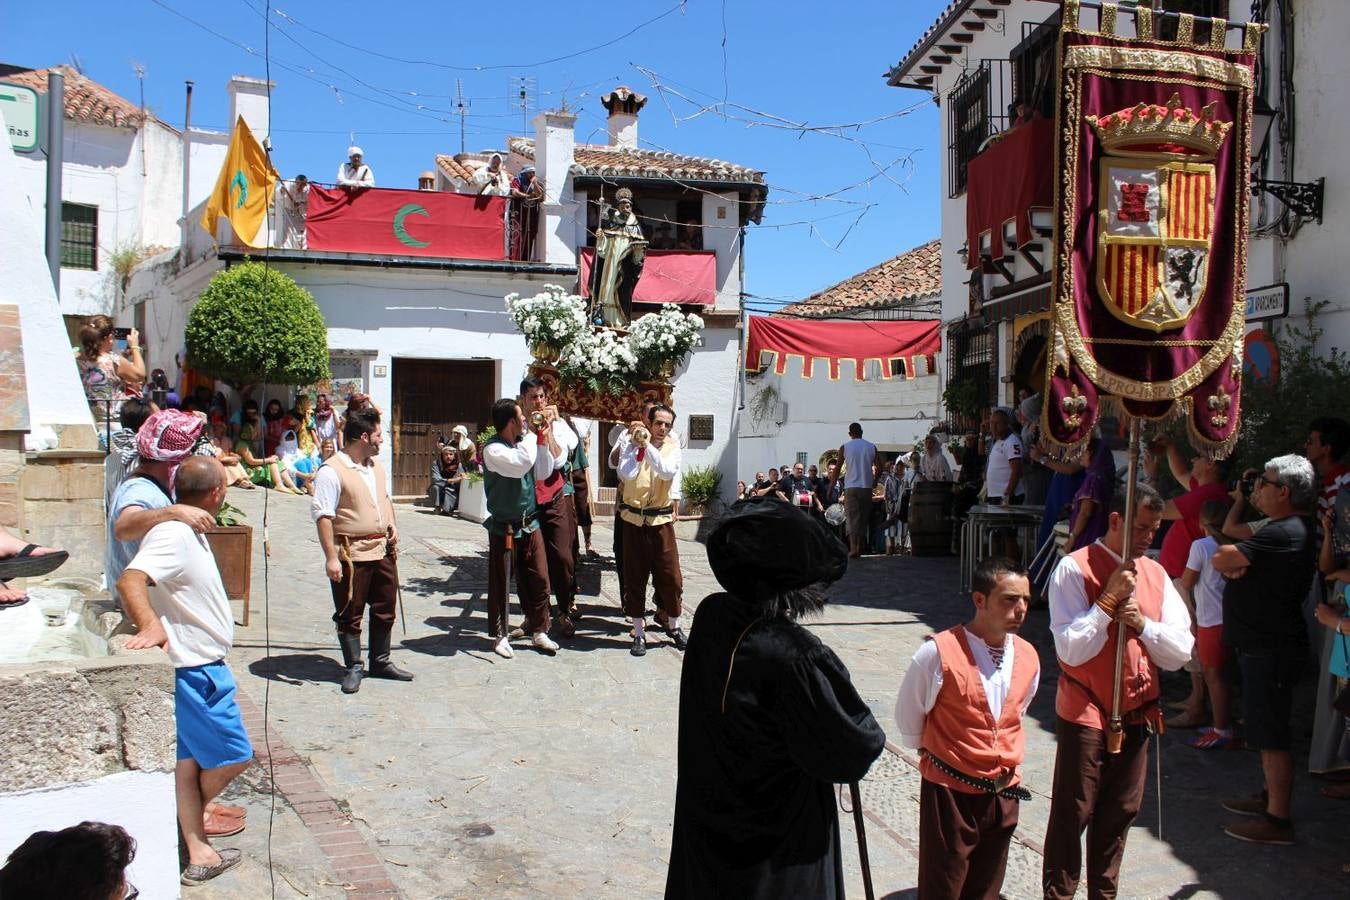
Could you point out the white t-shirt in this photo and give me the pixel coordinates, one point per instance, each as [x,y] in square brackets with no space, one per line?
[1209,589]
[999,470]
[186,594]
[859,454]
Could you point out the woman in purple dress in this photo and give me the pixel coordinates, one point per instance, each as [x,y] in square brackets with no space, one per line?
[1091,505]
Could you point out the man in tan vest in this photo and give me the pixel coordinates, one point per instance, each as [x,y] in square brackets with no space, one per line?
[649,465]
[358,535]
[961,705]
[1095,591]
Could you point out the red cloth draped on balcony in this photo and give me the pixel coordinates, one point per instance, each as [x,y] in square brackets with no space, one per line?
[841,341]
[1005,182]
[407,223]
[668,276]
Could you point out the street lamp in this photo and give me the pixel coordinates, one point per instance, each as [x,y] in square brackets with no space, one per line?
[1303,198]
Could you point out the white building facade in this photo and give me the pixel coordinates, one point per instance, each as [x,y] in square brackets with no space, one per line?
[980,57]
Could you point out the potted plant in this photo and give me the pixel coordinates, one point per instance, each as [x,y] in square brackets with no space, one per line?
[232,545]
[253,324]
[700,485]
[962,398]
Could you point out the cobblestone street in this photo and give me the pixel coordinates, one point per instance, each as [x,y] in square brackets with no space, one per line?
[555,776]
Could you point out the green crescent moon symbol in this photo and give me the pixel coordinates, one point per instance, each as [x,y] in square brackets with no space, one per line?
[411,209]
[239,181]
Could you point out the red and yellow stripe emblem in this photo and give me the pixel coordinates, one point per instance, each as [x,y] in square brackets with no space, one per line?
[1131,275]
[1190,205]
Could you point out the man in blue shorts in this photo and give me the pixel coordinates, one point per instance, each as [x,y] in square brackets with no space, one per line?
[172,591]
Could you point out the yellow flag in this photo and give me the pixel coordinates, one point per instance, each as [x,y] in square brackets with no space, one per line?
[243,188]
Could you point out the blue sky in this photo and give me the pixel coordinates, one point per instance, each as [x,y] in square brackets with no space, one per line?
[818,64]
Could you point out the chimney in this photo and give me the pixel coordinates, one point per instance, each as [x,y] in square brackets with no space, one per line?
[248,98]
[561,229]
[426,181]
[623,105]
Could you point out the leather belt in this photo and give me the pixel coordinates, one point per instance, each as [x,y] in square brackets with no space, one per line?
[650,511]
[999,786]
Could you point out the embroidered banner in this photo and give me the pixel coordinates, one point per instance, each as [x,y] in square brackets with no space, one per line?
[406,223]
[773,340]
[1150,275]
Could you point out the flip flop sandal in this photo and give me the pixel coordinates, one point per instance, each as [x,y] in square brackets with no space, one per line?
[12,604]
[218,825]
[25,565]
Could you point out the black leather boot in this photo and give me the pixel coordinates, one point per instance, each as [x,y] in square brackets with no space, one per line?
[351,660]
[380,666]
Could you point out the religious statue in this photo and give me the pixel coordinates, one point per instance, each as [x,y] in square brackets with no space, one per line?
[620,250]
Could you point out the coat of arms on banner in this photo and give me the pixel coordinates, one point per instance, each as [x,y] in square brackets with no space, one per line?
[1156,210]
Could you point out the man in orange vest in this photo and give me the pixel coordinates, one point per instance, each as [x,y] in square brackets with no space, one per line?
[961,705]
[1094,592]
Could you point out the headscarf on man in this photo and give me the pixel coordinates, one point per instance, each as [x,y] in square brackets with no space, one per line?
[459,439]
[169,436]
[766,552]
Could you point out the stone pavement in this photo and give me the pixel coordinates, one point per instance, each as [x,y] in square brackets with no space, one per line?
[555,776]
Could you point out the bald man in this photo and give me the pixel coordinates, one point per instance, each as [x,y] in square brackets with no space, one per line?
[172,591]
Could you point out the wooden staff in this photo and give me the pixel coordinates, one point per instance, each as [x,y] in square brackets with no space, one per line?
[1115,731]
[858,826]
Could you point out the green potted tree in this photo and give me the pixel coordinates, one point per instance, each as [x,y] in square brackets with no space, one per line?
[700,486]
[253,325]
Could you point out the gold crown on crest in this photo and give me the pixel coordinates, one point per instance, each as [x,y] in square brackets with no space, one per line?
[1151,124]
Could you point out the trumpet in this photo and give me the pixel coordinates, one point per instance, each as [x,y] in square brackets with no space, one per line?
[641,436]
[538,420]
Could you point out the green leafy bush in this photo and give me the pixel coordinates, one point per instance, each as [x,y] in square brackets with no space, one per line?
[700,485]
[228,516]
[255,325]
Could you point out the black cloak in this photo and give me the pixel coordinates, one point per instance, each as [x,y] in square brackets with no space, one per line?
[769,720]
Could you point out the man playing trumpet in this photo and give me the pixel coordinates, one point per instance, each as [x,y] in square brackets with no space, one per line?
[649,465]
[557,515]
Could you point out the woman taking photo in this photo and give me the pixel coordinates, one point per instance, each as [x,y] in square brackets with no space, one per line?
[109,377]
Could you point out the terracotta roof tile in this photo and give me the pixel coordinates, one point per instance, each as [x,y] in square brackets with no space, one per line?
[453,167]
[627,162]
[913,275]
[86,99]
[916,53]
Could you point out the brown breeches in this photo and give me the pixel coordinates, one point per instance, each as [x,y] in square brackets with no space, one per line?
[531,566]
[558,524]
[963,843]
[373,584]
[1098,791]
[649,553]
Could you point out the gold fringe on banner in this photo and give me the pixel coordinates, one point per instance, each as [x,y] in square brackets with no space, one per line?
[1070,17]
[1107,23]
[1251,36]
[1143,23]
[1218,34]
[1186,29]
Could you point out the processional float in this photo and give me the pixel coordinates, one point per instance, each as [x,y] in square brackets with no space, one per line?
[1153,159]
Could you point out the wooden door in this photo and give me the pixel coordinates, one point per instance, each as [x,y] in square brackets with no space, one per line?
[432,396]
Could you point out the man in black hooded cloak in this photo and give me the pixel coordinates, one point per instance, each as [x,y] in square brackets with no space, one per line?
[769,720]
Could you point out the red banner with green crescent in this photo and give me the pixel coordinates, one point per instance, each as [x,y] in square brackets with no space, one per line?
[406,223]
[1150,271]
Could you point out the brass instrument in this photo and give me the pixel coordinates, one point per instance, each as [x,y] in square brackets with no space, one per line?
[538,420]
[641,436]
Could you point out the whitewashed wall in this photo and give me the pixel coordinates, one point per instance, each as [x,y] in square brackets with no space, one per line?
[893,413]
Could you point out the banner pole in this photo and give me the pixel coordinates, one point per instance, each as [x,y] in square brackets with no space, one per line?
[1115,732]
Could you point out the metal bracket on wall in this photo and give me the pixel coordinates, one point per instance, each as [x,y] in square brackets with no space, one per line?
[1303,198]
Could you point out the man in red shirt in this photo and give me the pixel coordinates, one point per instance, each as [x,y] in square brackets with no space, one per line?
[1328,439]
[1205,479]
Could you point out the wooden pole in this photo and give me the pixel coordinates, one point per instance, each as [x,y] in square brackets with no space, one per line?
[1115,732]
[861,828]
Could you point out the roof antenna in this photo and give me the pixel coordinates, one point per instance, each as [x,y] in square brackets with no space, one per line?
[76,64]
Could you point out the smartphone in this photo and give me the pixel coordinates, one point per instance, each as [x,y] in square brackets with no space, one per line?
[121,333]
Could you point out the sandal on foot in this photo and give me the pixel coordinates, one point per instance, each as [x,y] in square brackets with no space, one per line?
[195,874]
[25,565]
[227,809]
[218,825]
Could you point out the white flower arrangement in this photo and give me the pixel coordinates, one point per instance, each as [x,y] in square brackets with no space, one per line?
[552,317]
[663,339]
[601,360]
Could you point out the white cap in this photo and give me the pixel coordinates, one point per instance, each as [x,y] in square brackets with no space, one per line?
[354,151]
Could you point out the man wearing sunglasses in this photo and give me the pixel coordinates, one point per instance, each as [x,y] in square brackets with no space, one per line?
[1269,574]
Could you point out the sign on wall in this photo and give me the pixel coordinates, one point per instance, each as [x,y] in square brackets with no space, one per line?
[1269,302]
[19,105]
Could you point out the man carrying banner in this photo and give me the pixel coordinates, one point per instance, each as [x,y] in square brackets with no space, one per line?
[512,462]
[1094,592]
[649,463]
[961,705]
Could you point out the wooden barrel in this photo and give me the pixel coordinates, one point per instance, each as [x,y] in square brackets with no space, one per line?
[930,518]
